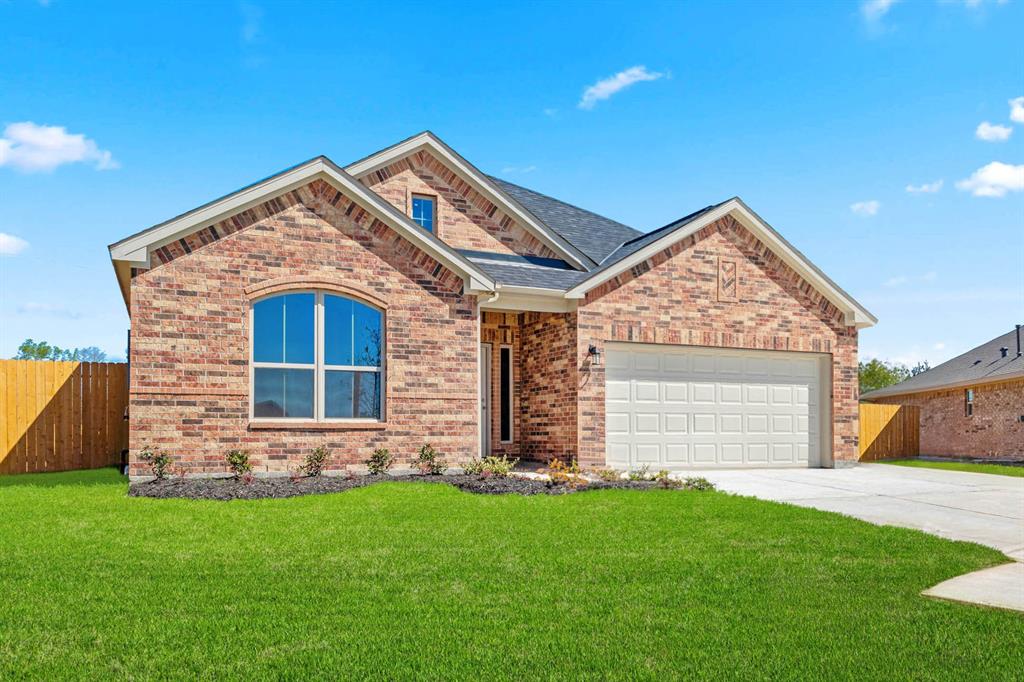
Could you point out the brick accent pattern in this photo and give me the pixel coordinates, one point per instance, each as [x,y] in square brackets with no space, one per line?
[993,430]
[190,336]
[672,298]
[466,219]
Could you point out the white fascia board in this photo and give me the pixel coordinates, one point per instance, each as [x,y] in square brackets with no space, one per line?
[967,383]
[475,179]
[854,314]
[136,249]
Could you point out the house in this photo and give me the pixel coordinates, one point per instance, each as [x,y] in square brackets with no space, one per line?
[972,405]
[410,298]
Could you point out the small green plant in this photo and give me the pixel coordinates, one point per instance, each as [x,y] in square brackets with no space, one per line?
[641,474]
[159,462]
[664,480]
[499,467]
[316,461]
[238,462]
[608,475]
[560,473]
[698,483]
[380,461]
[430,462]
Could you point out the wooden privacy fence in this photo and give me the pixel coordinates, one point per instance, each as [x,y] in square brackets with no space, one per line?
[888,431]
[56,416]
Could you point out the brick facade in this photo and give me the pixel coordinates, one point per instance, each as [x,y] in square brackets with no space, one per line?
[993,430]
[465,218]
[672,298]
[190,337]
[190,328]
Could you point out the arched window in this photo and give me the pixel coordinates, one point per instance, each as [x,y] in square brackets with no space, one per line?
[316,356]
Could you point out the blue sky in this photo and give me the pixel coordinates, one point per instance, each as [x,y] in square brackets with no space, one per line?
[819,115]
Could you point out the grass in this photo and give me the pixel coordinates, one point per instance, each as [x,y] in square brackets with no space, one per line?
[403,581]
[974,467]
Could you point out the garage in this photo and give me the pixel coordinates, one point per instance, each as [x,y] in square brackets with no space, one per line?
[678,407]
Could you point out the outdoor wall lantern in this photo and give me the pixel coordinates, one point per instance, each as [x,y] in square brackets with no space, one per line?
[595,354]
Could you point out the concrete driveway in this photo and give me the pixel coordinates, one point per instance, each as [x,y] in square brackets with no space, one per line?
[980,508]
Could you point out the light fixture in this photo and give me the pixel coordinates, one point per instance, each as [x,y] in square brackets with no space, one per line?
[595,354]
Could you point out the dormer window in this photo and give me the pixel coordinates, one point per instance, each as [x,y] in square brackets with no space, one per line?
[423,211]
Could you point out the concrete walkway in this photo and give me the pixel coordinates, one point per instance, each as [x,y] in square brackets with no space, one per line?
[981,508]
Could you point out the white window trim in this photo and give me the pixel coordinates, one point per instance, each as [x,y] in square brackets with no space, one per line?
[319,367]
[413,196]
[510,398]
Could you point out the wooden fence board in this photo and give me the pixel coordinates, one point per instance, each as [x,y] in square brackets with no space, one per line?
[889,431]
[56,416]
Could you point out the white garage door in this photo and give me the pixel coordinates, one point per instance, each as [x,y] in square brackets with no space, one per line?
[685,406]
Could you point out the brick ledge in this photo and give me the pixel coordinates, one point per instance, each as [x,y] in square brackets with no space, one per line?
[315,426]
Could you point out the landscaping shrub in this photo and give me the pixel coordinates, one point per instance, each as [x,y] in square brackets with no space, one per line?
[665,480]
[608,475]
[430,462]
[159,462]
[641,474]
[560,473]
[380,461]
[238,462]
[316,461]
[491,466]
[698,483]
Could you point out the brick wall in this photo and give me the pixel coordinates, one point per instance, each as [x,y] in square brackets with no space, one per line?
[466,219]
[676,297]
[993,430]
[190,337]
[549,388]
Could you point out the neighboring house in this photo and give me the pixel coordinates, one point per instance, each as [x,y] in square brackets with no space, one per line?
[972,405]
[410,298]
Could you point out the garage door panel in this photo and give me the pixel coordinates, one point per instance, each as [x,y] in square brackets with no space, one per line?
[687,406]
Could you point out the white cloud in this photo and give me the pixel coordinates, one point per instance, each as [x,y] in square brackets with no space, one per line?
[519,169]
[606,87]
[992,132]
[994,180]
[11,245]
[47,309]
[866,208]
[939,345]
[874,10]
[900,280]
[1017,109]
[29,147]
[551,112]
[925,188]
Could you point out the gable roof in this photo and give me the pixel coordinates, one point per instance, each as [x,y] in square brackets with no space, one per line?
[478,181]
[642,248]
[589,232]
[135,251]
[980,365]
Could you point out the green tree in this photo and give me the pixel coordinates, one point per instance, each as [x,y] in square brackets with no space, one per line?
[41,350]
[879,374]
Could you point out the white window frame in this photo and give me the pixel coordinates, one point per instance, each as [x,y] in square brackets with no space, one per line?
[433,210]
[319,367]
[507,399]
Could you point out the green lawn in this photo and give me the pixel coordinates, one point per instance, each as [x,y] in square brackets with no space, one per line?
[424,581]
[978,468]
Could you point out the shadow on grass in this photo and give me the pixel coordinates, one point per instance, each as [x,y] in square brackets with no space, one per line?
[88,477]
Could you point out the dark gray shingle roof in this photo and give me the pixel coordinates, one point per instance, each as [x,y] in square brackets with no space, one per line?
[980,365]
[525,271]
[594,235]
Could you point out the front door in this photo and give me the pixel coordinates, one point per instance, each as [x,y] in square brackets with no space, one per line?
[485,399]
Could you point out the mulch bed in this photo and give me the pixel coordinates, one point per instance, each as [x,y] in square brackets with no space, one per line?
[276,488]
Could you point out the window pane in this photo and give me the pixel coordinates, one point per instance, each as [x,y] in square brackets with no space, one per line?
[352,395]
[505,382]
[366,336]
[423,212]
[337,330]
[299,328]
[285,393]
[283,329]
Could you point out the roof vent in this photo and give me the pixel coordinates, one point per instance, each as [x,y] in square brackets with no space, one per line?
[1003,351]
